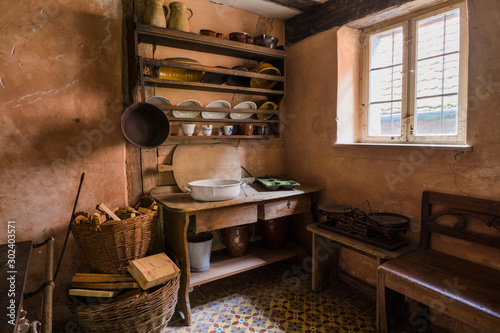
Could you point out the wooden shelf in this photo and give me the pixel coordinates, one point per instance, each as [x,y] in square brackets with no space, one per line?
[223,120]
[200,43]
[223,137]
[222,265]
[210,87]
[210,69]
[205,109]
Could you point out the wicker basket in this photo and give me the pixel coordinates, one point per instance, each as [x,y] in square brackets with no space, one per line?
[110,249]
[145,314]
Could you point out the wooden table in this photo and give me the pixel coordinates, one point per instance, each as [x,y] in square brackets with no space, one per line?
[179,214]
[326,245]
[13,293]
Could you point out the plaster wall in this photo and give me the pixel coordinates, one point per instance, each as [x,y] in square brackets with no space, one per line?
[392,178]
[60,108]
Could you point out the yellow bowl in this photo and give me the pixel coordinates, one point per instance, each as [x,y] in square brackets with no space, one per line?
[179,74]
[266,105]
[264,68]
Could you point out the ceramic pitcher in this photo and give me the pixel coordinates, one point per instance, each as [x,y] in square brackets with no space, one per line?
[179,19]
[155,13]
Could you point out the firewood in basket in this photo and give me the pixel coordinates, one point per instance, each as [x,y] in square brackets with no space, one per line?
[103,208]
[144,210]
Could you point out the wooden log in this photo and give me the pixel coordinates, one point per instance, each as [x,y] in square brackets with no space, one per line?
[105,209]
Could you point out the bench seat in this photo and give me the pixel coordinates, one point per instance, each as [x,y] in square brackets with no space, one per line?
[464,290]
[452,285]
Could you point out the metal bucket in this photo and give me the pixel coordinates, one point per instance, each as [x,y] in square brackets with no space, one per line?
[199,248]
[145,125]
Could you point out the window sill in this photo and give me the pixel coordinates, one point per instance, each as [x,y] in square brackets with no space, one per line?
[408,145]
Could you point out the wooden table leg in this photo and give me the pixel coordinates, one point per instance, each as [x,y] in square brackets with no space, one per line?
[175,226]
[325,259]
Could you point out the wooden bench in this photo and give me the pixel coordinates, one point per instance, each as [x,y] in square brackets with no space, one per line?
[464,290]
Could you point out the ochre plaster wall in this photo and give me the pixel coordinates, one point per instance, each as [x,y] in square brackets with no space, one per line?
[60,105]
[393,179]
[61,102]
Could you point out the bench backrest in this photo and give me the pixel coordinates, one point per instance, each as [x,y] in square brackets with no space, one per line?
[464,209]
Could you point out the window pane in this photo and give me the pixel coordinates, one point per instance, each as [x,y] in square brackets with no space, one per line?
[438,35]
[386,84]
[437,76]
[386,48]
[437,116]
[384,119]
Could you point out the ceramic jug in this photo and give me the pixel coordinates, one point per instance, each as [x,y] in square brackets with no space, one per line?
[155,13]
[179,19]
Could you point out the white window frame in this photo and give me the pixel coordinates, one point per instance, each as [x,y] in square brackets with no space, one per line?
[409,24]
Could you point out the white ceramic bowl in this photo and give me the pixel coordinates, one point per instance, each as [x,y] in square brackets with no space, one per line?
[187,129]
[187,114]
[216,115]
[243,105]
[214,189]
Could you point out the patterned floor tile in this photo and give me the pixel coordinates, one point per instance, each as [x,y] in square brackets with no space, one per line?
[276,299]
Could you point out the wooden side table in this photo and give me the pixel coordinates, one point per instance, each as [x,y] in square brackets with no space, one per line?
[325,256]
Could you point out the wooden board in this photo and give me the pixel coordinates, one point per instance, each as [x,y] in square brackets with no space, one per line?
[94,277]
[203,161]
[222,265]
[153,270]
[105,285]
[93,293]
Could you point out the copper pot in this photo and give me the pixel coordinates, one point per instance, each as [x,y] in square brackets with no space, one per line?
[237,238]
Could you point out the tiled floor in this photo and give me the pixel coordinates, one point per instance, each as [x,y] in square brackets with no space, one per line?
[276,298]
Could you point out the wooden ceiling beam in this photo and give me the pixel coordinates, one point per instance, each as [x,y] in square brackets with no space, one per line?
[301,5]
[334,13]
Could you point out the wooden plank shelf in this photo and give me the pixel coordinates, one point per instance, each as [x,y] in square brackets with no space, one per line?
[210,69]
[210,87]
[222,120]
[200,43]
[224,110]
[223,137]
[222,265]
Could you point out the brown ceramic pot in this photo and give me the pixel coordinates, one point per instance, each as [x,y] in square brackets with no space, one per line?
[236,239]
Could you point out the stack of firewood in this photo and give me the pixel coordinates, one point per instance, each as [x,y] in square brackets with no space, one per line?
[105,214]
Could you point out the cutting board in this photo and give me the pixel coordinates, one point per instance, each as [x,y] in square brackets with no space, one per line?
[203,161]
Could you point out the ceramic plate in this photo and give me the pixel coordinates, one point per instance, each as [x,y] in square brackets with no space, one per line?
[216,115]
[187,114]
[158,100]
[243,105]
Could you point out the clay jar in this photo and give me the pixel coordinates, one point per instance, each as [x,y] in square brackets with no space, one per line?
[155,13]
[241,37]
[246,129]
[236,239]
[179,19]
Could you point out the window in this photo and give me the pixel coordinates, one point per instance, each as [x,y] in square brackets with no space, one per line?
[414,79]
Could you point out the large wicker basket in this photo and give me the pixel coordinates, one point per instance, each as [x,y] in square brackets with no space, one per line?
[109,250]
[147,313]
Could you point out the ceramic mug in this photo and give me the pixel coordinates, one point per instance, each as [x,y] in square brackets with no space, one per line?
[227,130]
[260,130]
[246,129]
[206,129]
[187,129]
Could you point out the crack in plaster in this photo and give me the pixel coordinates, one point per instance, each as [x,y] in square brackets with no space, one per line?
[13,50]
[1,82]
[38,93]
